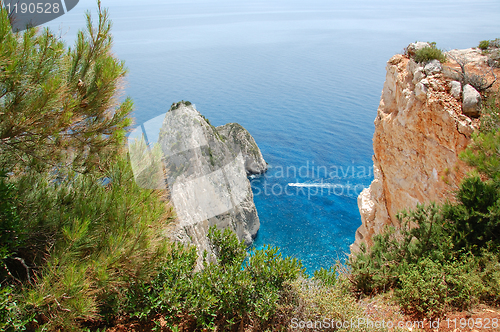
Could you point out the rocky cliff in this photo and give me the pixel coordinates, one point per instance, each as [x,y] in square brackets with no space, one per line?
[424,120]
[206,169]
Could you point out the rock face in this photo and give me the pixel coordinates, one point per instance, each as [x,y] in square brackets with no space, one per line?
[419,132]
[206,169]
[238,138]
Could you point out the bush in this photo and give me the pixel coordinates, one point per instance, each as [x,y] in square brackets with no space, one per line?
[429,288]
[233,290]
[494,58]
[169,290]
[484,44]
[175,106]
[491,49]
[253,293]
[495,43]
[489,265]
[490,114]
[12,317]
[88,243]
[474,224]
[326,276]
[429,53]
[438,263]
[484,154]
[420,236]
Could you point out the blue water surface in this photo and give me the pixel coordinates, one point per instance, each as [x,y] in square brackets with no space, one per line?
[304,77]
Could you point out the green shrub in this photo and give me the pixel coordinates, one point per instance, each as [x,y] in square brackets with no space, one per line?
[474,224]
[326,276]
[430,265]
[490,114]
[233,289]
[484,44]
[12,316]
[169,291]
[175,106]
[484,154]
[379,269]
[252,293]
[489,265]
[494,58]
[429,288]
[429,53]
[495,43]
[227,248]
[88,242]
[491,49]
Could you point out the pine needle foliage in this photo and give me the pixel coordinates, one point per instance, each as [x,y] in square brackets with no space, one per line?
[88,243]
[429,53]
[58,105]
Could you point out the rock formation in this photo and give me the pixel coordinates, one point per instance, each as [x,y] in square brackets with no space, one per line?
[206,169]
[238,138]
[420,129]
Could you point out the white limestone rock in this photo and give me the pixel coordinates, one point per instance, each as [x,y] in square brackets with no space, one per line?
[414,47]
[471,105]
[456,89]
[433,67]
[206,171]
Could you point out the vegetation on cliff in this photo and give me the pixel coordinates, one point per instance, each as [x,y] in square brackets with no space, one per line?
[429,53]
[444,256]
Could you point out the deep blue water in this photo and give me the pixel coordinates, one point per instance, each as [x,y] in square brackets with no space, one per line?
[304,77]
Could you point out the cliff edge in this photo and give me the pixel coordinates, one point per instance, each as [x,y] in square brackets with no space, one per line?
[424,120]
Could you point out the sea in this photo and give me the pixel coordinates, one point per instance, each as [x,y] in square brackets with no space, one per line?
[303,77]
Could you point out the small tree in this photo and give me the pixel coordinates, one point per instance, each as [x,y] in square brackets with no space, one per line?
[58,105]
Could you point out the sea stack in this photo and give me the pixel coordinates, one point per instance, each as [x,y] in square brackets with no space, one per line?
[206,169]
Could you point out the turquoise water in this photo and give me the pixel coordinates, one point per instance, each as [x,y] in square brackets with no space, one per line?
[304,77]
